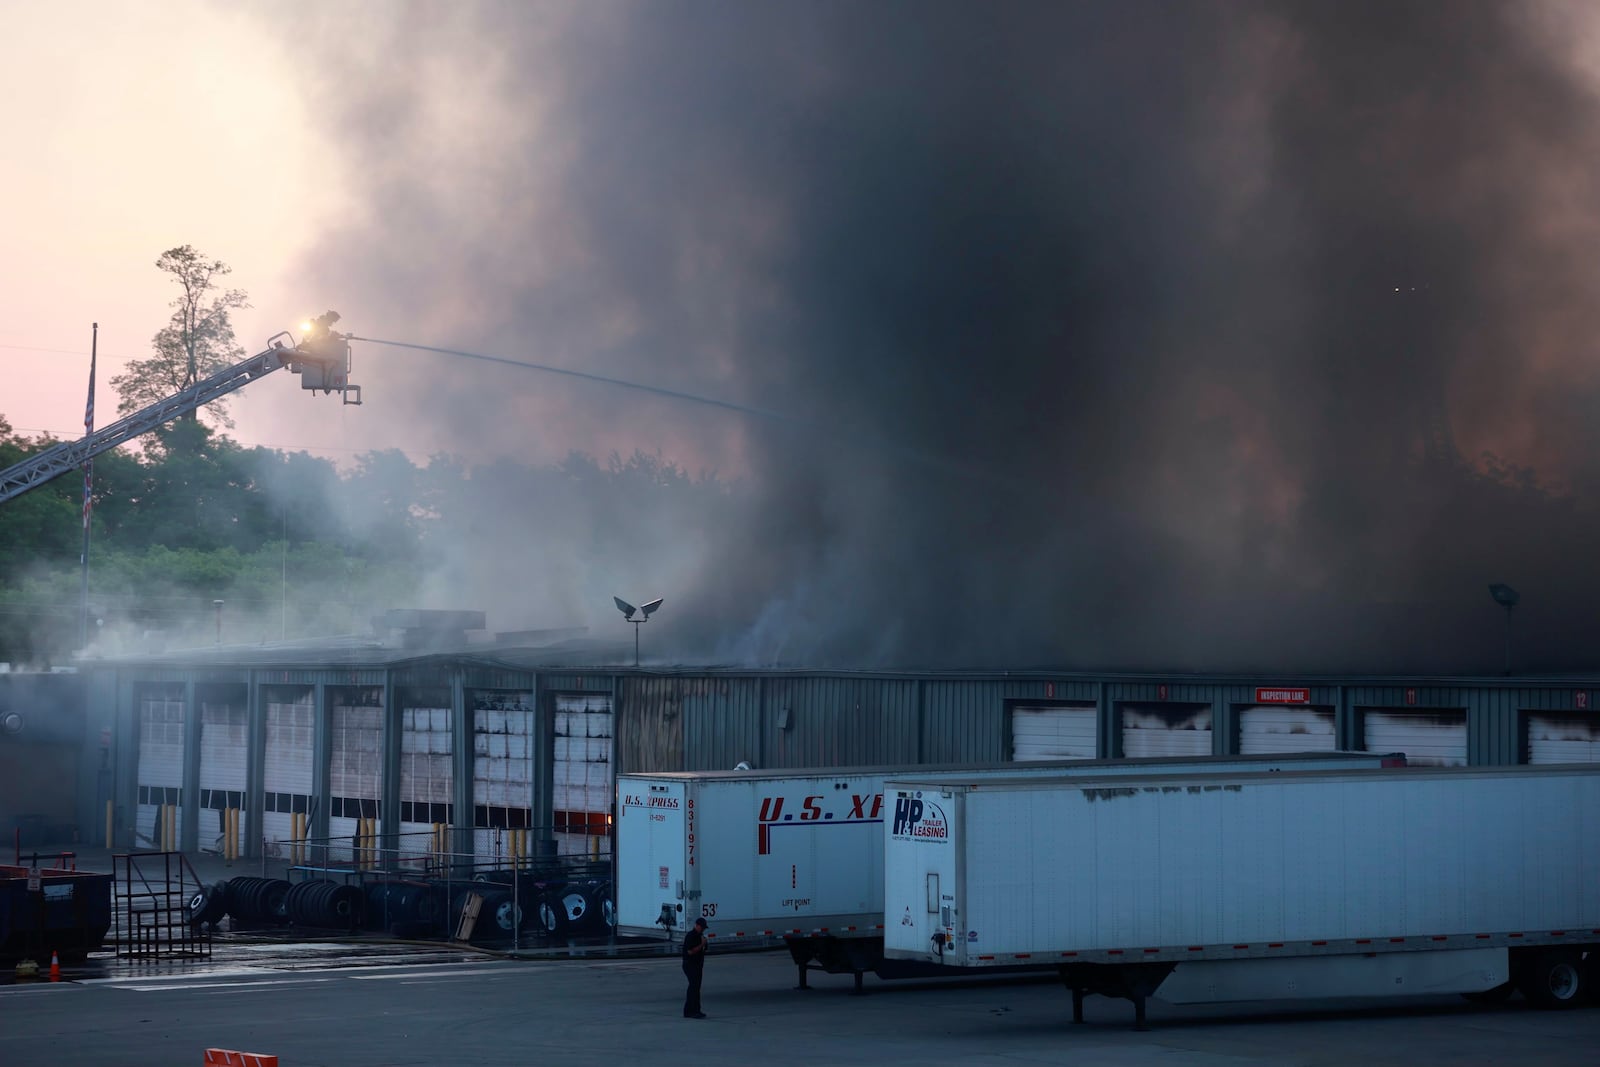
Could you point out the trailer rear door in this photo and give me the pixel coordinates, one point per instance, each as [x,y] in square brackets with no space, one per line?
[652,853]
[921,909]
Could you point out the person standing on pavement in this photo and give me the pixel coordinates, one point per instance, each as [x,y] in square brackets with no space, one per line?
[694,964]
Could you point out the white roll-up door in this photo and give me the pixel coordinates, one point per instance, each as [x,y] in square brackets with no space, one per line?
[502,776]
[1268,728]
[1563,738]
[160,773]
[1166,730]
[581,773]
[1436,738]
[355,778]
[425,775]
[1054,733]
[288,762]
[224,759]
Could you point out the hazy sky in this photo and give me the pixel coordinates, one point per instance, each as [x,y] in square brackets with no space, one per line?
[1191,335]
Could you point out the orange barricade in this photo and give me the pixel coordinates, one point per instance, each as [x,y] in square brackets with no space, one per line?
[223,1057]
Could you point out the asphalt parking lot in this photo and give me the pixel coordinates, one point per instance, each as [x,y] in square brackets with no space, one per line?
[327,1001]
[438,1007]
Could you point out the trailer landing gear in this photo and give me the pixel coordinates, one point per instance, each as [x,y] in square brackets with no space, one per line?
[1129,981]
[834,956]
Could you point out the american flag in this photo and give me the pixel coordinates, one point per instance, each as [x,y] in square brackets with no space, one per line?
[88,431]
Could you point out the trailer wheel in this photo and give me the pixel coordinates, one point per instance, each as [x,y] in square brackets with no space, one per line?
[1554,978]
[552,916]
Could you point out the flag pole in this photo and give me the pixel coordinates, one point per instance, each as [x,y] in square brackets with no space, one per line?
[88,487]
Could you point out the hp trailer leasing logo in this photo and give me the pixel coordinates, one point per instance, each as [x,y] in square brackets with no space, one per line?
[915,817]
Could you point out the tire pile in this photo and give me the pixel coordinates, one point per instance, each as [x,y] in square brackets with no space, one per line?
[414,909]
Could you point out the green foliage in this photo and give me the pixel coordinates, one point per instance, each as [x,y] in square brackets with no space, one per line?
[195,343]
[295,547]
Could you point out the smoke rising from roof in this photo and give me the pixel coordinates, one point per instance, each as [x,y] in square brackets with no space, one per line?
[1210,336]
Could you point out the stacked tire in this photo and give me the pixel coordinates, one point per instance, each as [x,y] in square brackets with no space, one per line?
[258,900]
[207,905]
[324,904]
[405,909]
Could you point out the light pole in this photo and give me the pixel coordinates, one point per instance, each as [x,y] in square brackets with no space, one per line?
[1507,598]
[644,612]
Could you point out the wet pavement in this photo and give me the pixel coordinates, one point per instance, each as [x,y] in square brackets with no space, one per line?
[237,950]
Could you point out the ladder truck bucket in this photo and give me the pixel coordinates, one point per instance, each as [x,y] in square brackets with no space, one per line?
[322,359]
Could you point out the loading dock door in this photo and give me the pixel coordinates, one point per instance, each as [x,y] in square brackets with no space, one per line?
[1569,738]
[1435,738]
[287,763]
[502,778]
[1165,730]
[426,781]
[355,774]
[160,773]
[1053,733]
[224,752]
[1269,728]
[581,784]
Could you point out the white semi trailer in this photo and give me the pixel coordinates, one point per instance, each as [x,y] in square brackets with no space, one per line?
[1227,887]
[795,857]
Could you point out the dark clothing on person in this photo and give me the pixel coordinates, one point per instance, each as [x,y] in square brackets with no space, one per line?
[694,963]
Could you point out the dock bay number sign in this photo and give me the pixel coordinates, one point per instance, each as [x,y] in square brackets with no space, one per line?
[1283,696]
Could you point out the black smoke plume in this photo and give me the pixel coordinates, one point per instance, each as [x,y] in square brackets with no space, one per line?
[1234,336]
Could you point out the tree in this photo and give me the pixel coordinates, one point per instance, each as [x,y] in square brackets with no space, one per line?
[194,344]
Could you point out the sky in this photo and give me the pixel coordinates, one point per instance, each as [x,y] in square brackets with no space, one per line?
[1174,336]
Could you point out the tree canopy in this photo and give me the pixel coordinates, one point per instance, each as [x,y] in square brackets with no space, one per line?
[195,343]
[294,546]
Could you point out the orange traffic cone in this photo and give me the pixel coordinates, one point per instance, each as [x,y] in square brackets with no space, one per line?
[55,967]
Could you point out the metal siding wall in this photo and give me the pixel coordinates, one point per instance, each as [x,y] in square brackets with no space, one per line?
[96,769]
[966,721]
[312,676]
[721,722]
[1491,726]
[500,678]
[842,722]
[649,725]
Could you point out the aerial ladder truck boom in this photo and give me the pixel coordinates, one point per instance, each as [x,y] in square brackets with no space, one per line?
[321,358]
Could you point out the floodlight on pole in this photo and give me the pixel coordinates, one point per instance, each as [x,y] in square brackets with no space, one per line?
[1507,598]
[644,611]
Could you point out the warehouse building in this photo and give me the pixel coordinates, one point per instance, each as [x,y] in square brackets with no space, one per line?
[512,748]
